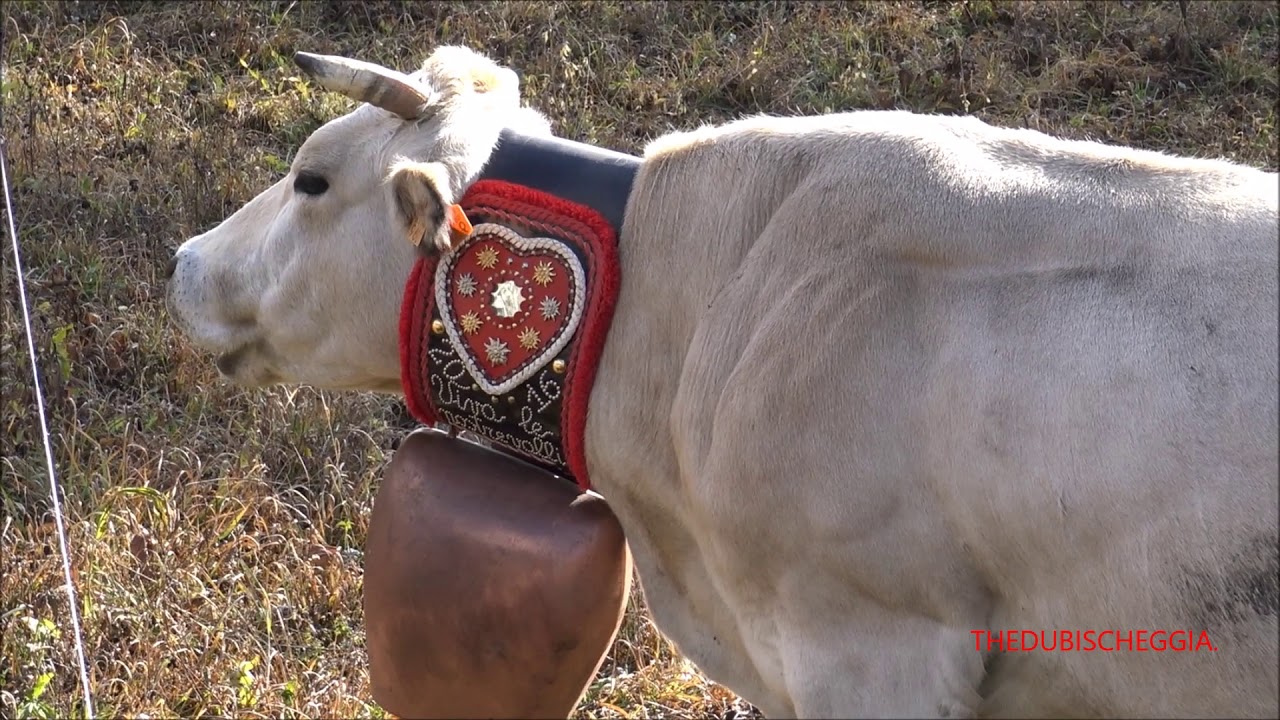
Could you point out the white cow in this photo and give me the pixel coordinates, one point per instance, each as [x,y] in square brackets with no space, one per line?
[877,384]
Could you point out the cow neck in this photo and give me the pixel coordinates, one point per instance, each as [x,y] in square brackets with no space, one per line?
[501,336]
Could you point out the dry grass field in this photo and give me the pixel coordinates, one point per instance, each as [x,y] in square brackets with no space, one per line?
[217,532]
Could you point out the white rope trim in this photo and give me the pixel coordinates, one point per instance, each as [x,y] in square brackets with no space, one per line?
[44,430]
[522,243]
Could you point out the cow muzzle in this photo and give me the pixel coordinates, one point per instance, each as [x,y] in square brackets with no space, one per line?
[199,300]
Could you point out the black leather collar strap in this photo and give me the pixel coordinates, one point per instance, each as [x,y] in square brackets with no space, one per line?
[579,173]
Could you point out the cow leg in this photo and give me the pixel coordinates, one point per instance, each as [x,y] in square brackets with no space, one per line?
[796,639]
[830,546]
[862,608]
[686,608]
[806,629]
[874,622]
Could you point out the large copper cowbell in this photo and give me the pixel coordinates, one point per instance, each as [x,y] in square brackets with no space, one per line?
[492,588]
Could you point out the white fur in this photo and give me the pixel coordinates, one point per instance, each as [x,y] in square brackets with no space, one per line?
[877,380]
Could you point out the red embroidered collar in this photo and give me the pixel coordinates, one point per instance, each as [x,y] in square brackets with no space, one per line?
[501,336]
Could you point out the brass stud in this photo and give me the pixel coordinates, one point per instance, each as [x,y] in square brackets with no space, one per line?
[558,367]
[511,399]
[437,327]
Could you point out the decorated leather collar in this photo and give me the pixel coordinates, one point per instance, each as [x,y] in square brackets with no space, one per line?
[501,336]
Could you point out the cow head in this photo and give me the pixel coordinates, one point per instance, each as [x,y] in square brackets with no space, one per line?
[303,284]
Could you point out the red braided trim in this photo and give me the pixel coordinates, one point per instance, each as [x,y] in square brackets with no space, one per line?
[415,312]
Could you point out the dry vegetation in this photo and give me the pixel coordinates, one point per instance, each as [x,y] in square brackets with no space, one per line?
[217,533]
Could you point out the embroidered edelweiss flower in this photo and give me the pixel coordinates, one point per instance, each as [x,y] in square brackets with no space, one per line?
[507,299]
[550,308]
[471,323]
[496,351]
[543,273]
[487,258]
[467,285]
[529,338]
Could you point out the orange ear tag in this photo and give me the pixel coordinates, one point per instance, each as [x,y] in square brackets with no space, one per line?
[459,226]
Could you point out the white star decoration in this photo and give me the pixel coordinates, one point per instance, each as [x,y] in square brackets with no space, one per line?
[550,308]
[496,351]
[507,299]
[467,285]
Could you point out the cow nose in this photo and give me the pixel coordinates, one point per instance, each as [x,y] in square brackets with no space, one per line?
[171,267]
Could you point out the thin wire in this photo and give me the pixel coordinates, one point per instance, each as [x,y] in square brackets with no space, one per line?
[44,429]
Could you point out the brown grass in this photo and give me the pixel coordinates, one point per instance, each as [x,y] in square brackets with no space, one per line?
[217,532]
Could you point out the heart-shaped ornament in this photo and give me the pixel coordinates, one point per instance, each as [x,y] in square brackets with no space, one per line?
[509,303]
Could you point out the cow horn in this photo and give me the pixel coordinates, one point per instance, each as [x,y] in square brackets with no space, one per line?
[367,82]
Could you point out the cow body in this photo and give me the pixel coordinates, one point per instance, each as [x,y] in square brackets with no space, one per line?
[876,382]
[899,378]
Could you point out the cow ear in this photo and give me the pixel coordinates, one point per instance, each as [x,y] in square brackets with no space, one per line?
[423,202]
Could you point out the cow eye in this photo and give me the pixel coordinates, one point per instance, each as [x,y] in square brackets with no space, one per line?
[310,183]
